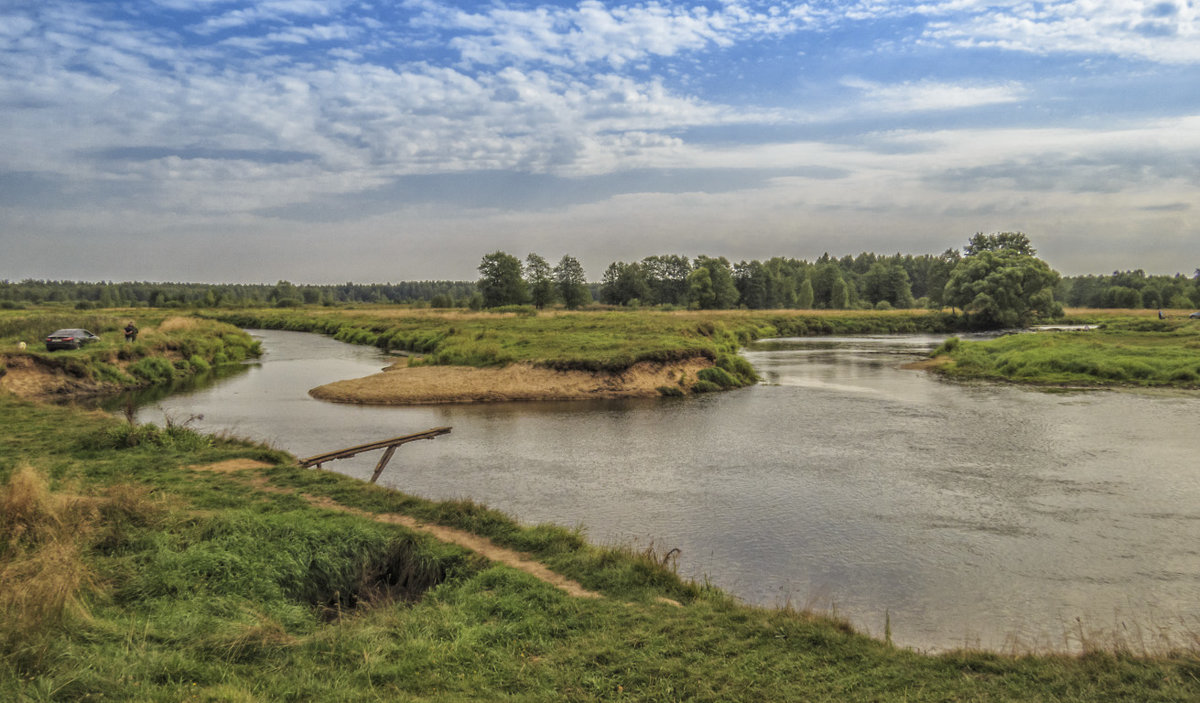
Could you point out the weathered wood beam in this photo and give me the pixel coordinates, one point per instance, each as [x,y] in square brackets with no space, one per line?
[383,461]
[381,444]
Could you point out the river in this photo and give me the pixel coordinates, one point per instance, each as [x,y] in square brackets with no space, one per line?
[966,515]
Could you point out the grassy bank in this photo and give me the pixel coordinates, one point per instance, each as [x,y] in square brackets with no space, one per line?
[607,341]
[1121,350]
[127,572]
[167,348]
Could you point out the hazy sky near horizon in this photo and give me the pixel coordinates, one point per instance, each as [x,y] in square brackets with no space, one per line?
[369,140]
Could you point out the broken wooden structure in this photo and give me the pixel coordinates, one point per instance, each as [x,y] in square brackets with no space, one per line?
[388,445]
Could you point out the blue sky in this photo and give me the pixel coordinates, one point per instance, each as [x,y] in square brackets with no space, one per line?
[371,140]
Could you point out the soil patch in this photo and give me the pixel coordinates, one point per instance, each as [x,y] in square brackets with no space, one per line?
[404,385]
[928,364]
[26,378]
[233,465]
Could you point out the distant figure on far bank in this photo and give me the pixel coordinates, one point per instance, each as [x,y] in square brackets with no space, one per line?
[1160,315]
[131,332]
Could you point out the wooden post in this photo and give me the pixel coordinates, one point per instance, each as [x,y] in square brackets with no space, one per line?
[383,461]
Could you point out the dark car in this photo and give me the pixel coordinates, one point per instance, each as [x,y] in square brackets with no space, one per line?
[69,339]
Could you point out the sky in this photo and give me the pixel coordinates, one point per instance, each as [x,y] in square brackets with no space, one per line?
[324,141]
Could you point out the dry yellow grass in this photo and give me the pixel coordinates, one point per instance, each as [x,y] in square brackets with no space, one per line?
[177,324]
[42,573]
[522,381]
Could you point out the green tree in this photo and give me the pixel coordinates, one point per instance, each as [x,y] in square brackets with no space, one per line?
[1001,241]
[572,283]
[500,281]
[888,281]
[624,283]
[938,275]
[667,277]
[710,285]
[839,294]
[804,297]
[1121,297]
[541,281]
[1001,286]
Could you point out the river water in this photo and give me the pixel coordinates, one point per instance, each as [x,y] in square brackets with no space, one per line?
[966,515]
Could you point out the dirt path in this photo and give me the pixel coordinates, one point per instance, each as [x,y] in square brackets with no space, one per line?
[475,543]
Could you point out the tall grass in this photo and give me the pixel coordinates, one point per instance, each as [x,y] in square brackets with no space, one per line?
[1138,353]
[42,571]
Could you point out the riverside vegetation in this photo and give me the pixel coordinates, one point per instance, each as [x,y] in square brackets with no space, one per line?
[163,564]
[595,341]
[1123,348]
[168,347]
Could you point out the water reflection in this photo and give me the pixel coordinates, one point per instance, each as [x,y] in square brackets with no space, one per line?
[971,514]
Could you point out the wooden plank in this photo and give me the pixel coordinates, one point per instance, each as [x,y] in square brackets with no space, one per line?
[383,461]
[370,446]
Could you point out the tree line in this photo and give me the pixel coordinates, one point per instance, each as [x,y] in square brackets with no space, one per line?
[1131,289]
[991,276]
[282,294]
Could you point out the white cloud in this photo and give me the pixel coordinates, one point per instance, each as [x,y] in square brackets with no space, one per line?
[917,96]
[597,32]
[273,11]
[1165,32]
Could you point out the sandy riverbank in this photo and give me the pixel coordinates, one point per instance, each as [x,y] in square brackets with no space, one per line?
[420,385]
[25,377]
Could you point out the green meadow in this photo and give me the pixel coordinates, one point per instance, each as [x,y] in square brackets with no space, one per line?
[129,572]
[1120,350]
[593,340]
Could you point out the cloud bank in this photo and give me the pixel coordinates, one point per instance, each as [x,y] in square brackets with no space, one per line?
[321,141]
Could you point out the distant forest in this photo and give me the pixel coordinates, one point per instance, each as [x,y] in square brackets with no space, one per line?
[850,282]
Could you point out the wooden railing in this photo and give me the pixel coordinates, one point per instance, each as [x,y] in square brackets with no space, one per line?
[388,445]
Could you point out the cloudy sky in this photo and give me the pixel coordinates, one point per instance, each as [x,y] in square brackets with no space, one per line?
[384,140]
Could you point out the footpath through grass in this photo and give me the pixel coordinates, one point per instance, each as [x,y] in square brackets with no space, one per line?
[126,573]
[1120,350]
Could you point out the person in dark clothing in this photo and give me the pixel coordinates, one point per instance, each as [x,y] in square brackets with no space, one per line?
[131,332]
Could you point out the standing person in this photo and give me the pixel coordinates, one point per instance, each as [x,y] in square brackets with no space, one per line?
[1160,315]
[131,332]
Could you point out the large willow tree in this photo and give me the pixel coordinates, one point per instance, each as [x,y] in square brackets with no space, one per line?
[1001,282]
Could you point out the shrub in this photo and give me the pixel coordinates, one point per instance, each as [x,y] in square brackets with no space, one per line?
[947,347]
[127,435]
[739,367]
[703,386]
[670,391]
[198,364]
[154,369]
[718,376]
[110,374]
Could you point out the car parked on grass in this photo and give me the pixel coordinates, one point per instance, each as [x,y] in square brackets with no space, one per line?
[1195,316]
[69,339]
